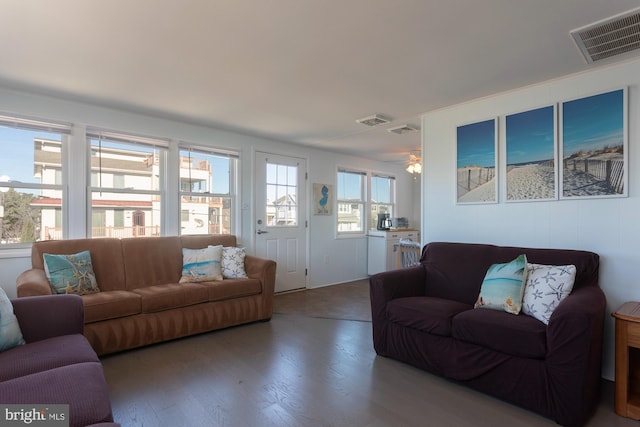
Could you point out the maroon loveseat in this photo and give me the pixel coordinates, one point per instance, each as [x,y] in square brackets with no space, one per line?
[57,364]
[424,316]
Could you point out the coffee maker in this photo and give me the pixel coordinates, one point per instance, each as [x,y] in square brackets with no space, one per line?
[384,222]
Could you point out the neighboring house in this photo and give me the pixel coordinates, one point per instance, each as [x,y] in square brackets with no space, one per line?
[116,209]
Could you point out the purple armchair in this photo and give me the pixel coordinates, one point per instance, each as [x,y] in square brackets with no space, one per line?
[56,365]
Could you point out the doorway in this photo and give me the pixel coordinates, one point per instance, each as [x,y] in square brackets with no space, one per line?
[281,217]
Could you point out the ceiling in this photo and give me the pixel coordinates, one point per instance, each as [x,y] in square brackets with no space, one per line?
[300,71]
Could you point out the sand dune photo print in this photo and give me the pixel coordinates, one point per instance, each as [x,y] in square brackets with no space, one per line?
[594,146]
[476,180]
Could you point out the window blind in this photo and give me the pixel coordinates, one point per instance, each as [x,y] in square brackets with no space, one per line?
[31,123]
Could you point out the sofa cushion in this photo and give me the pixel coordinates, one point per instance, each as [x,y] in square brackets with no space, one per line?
[46,354]
[427,314]
[10,333]
[546,287]
[110,305]
[233,263]
[171,295]
[520,335]
[200,265]
[71,274]
[151,261]
[83,384]
[503,286]
[232,288]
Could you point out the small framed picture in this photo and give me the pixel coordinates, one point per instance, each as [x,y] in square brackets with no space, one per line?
[322,199]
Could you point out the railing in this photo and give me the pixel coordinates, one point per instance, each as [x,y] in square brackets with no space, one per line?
[55,233]
[609,171]
[470,178]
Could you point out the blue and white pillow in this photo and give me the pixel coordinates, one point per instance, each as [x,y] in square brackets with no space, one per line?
[201,265]
[546,287]
[233,263]
[10,333]
[71,274]
[503,286]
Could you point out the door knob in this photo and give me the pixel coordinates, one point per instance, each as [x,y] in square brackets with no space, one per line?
[262,232]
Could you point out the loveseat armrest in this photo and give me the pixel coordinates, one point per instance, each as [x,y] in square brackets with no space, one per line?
[574,348]
[48,316]
[32,282]
[388,285]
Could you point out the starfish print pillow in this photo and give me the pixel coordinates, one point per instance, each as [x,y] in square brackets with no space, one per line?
[546,287]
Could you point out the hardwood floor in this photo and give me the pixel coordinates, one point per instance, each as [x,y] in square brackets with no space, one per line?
[298,370]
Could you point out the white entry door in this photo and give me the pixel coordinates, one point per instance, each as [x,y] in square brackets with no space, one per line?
[281,217]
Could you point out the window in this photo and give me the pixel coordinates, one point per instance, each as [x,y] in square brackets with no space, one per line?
[382,197]
[351,202]
[282,195]
[207,190]
[126,175]
[31,170]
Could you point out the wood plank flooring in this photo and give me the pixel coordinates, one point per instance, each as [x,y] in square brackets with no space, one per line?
[298,371]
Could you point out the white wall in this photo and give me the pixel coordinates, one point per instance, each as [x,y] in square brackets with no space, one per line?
[346,258]
[609,227]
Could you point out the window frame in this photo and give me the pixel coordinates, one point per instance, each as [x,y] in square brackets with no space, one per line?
[392,196]
[50,127]
[232,195]
[361,202]
[161,145]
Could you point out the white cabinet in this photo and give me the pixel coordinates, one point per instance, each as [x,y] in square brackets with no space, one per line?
[381,255]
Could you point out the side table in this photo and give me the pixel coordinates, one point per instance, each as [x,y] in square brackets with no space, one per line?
[627,388]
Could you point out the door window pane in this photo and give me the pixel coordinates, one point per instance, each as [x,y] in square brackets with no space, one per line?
[282,199]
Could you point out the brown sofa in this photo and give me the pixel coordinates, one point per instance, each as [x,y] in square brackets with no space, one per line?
[140,300]
[425,316]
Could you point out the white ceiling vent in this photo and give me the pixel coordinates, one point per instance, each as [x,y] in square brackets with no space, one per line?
[374,120]
[402,129]
[609,37]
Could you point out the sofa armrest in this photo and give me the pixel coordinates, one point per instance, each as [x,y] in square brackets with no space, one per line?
[48,316]
[264,270]
[406,282]
[574,344]
[32,282]
[386,286]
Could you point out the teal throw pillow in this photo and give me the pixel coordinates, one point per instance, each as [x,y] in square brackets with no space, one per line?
[503,286]
[201,265]
[71,274]
[10,333]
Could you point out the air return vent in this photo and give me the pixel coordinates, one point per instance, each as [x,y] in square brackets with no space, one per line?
[402,129]
[610,37]
[374,120]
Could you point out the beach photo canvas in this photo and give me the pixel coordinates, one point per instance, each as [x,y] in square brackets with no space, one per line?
[594,146]
[476,152]
[531,155]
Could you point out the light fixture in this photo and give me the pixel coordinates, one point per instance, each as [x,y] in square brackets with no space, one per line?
[415,165]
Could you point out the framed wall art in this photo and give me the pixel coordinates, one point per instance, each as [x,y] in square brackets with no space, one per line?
[594,146]
[476,157]
[531,155]
[322,199]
